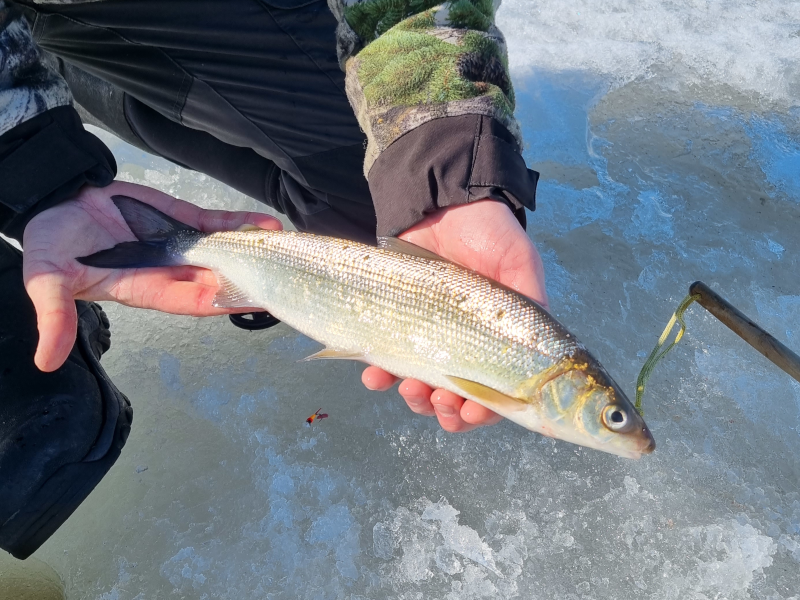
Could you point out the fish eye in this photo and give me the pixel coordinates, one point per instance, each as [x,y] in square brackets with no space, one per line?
[615,418]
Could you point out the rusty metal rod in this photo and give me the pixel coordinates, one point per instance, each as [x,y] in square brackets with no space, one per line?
[745,328]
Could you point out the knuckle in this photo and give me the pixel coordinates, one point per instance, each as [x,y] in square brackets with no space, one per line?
[205,220]
[451,427]
[419,406]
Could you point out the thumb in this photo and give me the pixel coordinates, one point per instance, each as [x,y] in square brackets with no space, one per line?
[56,317]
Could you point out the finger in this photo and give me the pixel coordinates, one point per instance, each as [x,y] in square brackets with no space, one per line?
[223,220]
[175,290]
[190,274]
[178,297]
[448,410]
[56,317]
[475,414]
[217,220]
[377,379]
[418,396]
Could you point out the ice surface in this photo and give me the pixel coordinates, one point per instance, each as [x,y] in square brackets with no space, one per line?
[752,45]
[667,137]
[458,538]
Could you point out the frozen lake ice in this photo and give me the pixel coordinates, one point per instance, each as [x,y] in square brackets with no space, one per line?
[668,138]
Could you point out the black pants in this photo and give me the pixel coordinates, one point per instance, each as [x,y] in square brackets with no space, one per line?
[247,91]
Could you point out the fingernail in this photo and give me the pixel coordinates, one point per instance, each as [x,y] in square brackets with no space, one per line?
[370,385]
[444,410]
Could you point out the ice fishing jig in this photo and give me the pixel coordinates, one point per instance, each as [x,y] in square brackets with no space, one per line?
[315,416]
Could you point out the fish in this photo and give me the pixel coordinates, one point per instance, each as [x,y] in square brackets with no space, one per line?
[316,416]
[408,311]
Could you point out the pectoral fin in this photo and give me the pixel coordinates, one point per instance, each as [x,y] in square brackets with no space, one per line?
[229,295]
[493,399]
[331,354]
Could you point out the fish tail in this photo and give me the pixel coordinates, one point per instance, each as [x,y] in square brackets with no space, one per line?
[152,228]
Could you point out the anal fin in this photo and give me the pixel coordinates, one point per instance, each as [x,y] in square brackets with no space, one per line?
[331,354]
[491,398]
[229,295]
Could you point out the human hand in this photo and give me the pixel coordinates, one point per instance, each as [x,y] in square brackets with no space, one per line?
[486,237]
[90,222]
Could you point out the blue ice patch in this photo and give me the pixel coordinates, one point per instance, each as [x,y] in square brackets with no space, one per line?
[650,220]
[777,154]
[553,111]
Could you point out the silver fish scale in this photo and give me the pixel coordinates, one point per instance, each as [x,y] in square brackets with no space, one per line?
[410,315]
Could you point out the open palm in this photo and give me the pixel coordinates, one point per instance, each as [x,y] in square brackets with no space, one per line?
[483,236]
[91,222]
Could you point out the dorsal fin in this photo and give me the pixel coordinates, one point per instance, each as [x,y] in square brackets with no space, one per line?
[397,245]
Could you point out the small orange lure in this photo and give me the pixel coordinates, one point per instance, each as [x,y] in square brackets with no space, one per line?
[315,416]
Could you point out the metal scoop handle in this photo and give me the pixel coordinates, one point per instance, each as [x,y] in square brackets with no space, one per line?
[745,328]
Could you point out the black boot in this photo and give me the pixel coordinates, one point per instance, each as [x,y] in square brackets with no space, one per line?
[60,432]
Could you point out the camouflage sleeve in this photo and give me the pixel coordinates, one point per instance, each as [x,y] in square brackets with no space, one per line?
[408,62]
[27,86]
[429,84]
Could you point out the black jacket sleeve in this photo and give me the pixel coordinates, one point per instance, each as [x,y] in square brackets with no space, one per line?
[447,162]
[44,161]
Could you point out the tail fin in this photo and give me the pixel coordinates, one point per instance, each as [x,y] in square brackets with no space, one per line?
[153,229]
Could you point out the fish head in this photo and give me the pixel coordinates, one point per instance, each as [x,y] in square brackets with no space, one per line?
[580,403]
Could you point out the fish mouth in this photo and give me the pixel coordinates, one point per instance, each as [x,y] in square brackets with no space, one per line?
[646,445]
[651,442]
